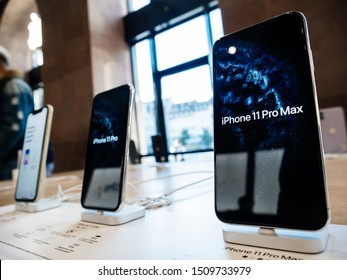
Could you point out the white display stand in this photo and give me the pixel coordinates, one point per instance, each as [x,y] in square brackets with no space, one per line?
[126,214]
[41,205]
[281,239]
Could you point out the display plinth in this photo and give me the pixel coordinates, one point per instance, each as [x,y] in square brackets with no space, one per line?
[281,239]
[41,205]
[126,214]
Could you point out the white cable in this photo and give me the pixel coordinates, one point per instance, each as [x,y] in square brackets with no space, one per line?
[133,187]
[185,186]
[169,176]
[162,200]
[62,194]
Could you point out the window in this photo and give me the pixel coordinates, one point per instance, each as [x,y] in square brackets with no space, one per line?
[173,81]
[35,45]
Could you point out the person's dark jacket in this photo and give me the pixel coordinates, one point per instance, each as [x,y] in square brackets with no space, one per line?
[16,102]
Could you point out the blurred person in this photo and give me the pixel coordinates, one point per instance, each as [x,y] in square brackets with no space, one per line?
[16,102]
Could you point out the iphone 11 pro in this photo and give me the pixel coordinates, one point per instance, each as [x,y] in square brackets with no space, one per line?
[107,150]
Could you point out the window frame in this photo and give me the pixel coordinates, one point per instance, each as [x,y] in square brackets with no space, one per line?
[159,74]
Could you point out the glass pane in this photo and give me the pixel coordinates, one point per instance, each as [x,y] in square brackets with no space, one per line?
[183,43]
[187,98]
[144,96]
[216,24]
[138,4]
[144,77]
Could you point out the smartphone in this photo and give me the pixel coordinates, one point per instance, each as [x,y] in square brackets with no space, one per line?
[333,129]
[268,156]
[104,178]
[32,165]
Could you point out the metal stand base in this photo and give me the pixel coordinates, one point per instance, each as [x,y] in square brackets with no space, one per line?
[126,214]
[41,205]
[282,239]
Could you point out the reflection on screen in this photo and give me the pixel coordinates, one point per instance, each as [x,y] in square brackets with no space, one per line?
[102,183]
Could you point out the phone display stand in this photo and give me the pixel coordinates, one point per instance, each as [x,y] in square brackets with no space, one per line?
[126,214]
[281,239]
[41,205]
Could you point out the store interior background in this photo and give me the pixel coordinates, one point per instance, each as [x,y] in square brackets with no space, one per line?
[85,53]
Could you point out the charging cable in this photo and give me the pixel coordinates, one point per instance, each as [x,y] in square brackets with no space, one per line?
[161,200]
[63,195]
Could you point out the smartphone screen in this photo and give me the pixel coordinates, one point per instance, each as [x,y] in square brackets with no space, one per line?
[269,168]
[34,153]
[107,149]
